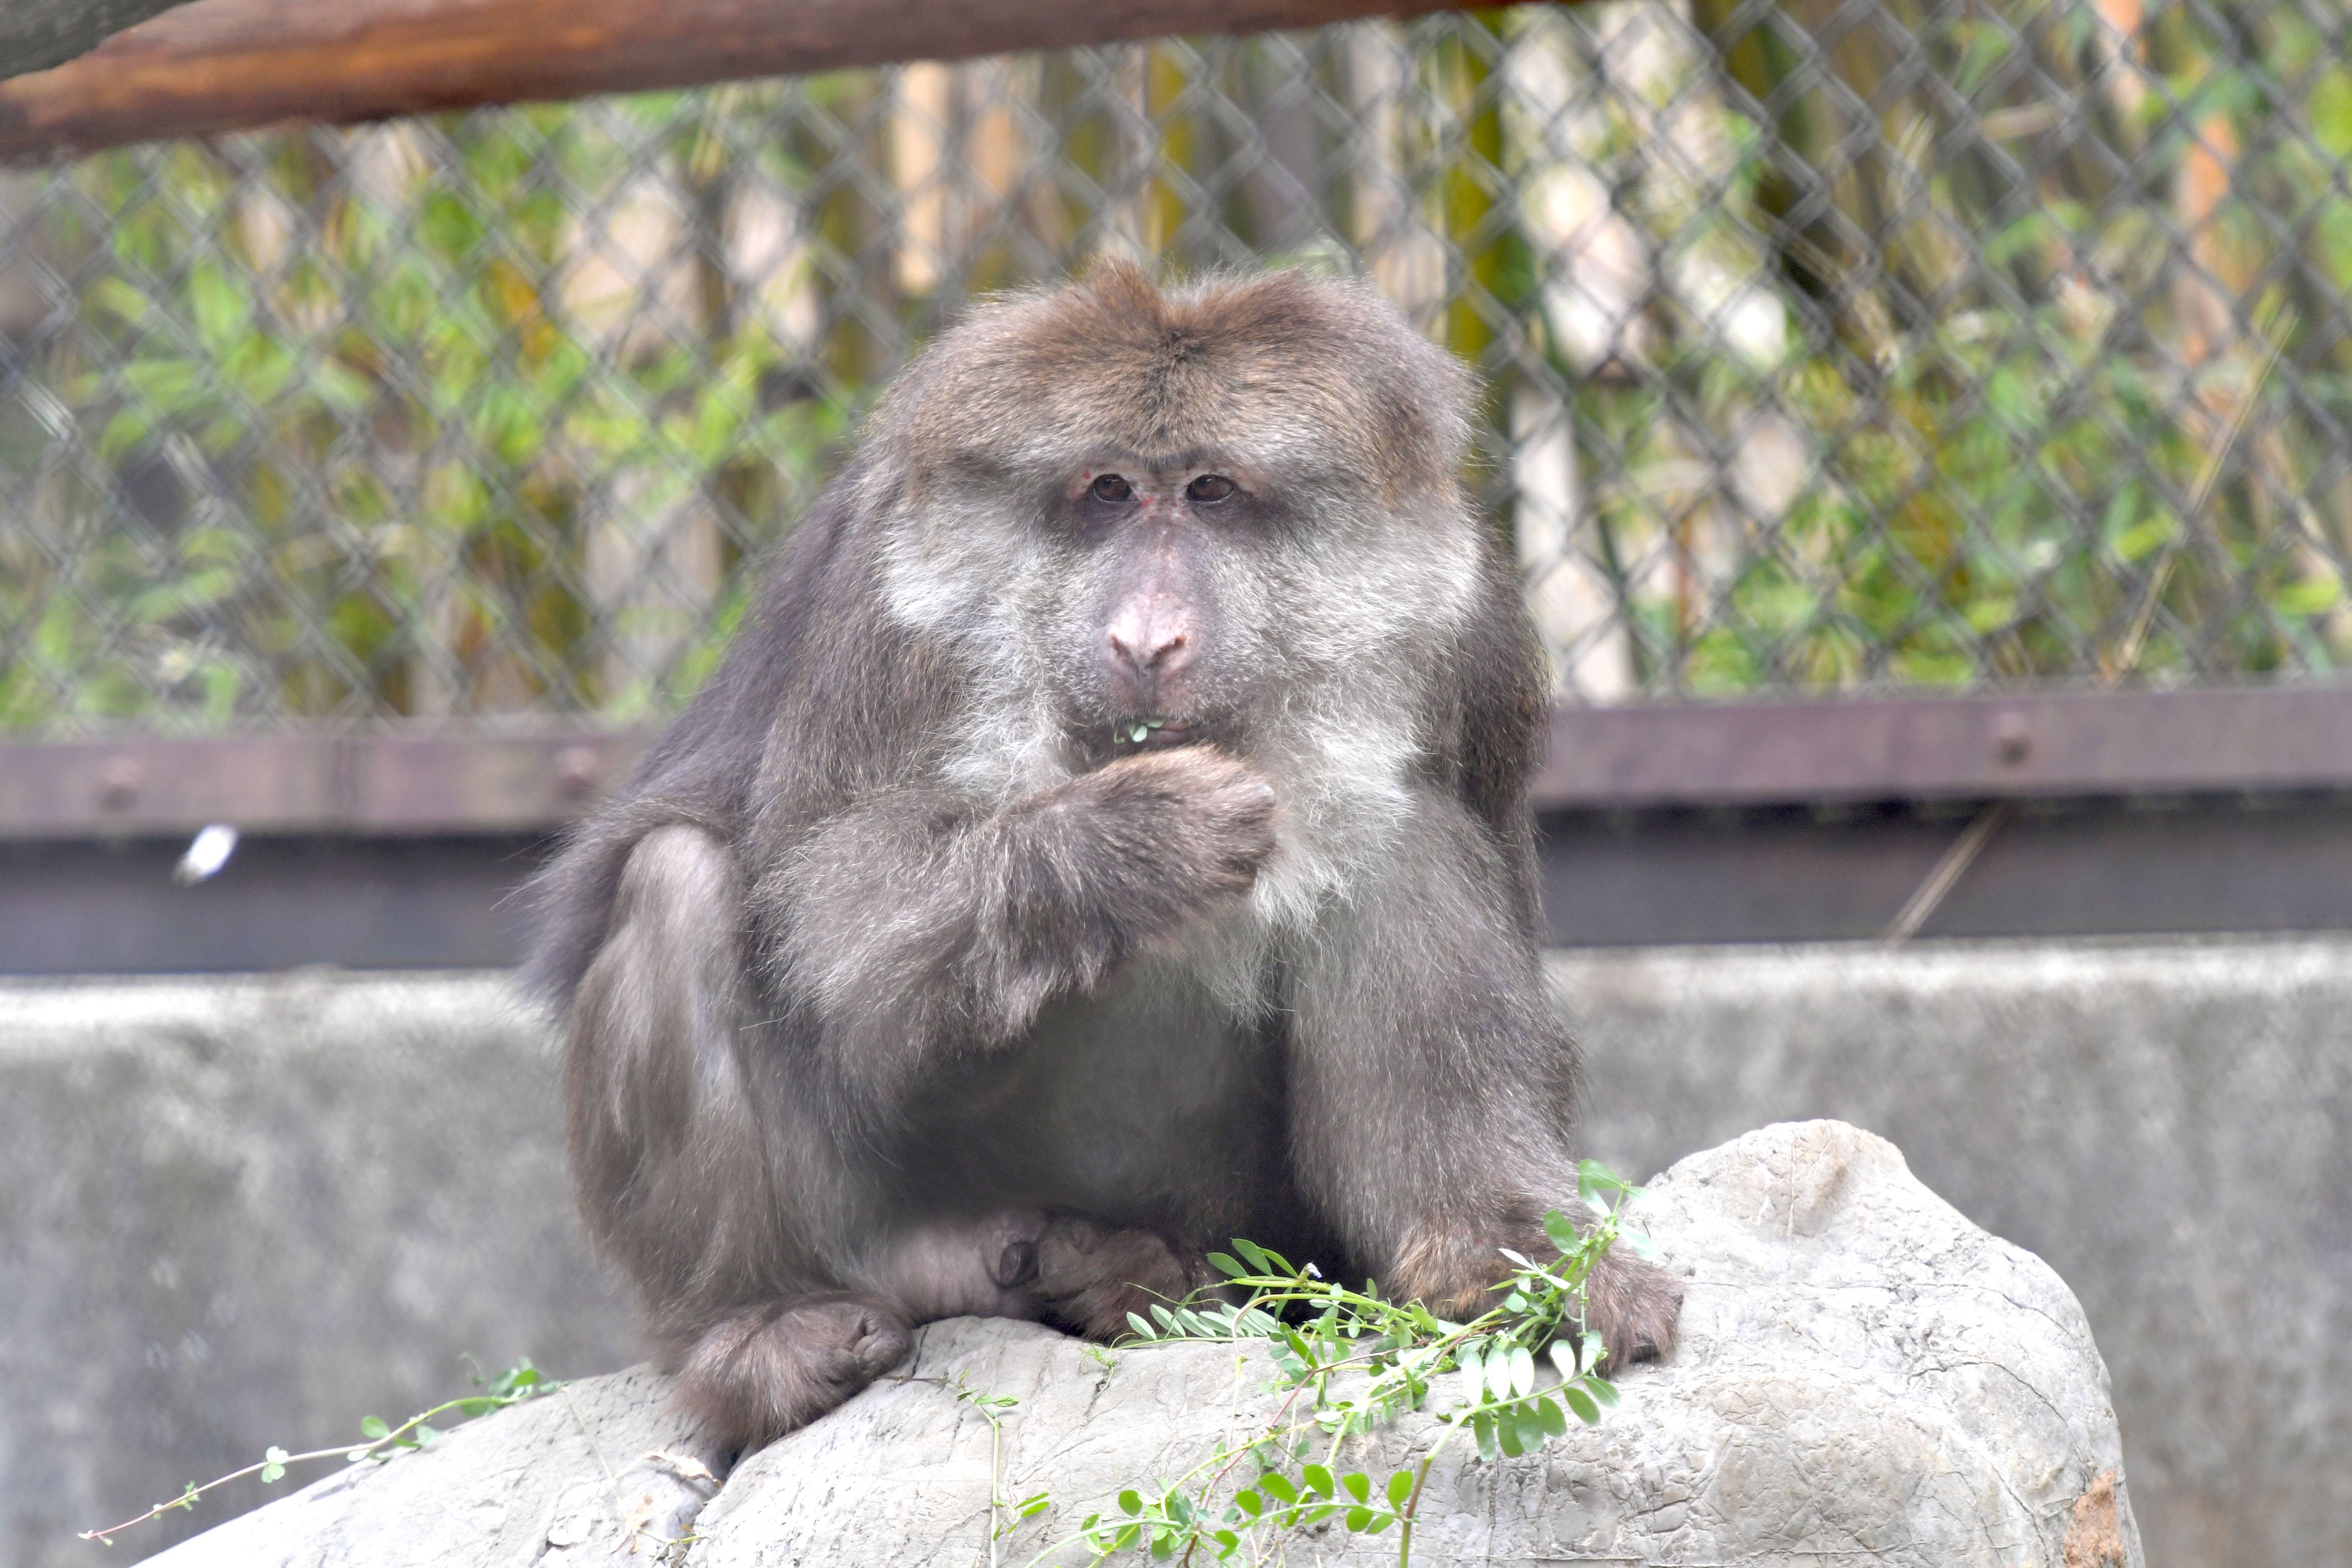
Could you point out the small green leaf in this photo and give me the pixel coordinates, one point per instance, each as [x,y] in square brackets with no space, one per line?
[1483,1424]
[1180,1508]
[1134,1321]
[1581,1403]
[1523,1370]
[373,1426]
[1032,1507]
[1229,1267]
[1604,1392]
[1130,1501]
[1400,1489]
[1254,1255]
[1357,1485]
[1358,1520]
[1277,1486]
[1561,1230]
[1550,1418]
[1319,1479]
[1249,1502]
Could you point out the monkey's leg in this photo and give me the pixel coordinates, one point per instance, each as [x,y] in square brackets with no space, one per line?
[764,1370]
[682,1151]
[1432,1087]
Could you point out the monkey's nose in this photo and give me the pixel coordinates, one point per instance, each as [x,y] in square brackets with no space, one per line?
[1152,637]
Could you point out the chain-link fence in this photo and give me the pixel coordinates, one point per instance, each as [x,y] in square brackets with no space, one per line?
[1833,344]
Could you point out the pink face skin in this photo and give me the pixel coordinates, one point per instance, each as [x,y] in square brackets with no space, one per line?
[1153,629]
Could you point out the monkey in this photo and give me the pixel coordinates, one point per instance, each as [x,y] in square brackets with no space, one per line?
[1106,835]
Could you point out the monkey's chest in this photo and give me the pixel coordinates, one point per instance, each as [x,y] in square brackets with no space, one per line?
[1150,1103]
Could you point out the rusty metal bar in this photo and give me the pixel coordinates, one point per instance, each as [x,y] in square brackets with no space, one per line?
[365,783]
[1989,747]
[1900,749]
[225,65]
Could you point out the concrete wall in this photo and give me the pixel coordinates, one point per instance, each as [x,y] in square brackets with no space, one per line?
[244,1212]
[239,1213]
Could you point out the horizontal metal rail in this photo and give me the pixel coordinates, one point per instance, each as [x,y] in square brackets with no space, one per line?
[509,780]
[1991,747]
[370,783]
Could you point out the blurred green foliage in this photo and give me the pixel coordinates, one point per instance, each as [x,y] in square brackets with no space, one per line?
[317,424]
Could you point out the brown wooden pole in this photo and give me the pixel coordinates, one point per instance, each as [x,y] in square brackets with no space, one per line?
[37,34]
[225,65]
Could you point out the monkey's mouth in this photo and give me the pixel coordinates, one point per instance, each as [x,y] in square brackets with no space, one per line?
[1153,733]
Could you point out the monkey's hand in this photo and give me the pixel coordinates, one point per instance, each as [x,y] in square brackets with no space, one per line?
[1111,863]
[1157,839]
[911,925]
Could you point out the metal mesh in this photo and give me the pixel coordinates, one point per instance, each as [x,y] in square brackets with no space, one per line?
[1833,344]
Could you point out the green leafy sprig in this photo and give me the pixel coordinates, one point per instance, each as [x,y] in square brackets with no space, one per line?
[1349,1360]
[384,1441]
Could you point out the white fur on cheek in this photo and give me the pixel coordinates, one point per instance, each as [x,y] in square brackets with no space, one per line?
[972,581]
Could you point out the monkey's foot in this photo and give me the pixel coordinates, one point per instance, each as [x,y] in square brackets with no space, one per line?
[1633,1305]
[757,1376]
[1092,1276]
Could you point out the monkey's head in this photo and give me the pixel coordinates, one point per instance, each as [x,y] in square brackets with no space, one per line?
[1132,519]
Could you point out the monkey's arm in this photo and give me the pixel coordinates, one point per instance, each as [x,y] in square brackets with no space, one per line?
[918,919]
[1433,1084]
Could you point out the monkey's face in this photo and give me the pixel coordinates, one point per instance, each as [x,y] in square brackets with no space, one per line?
[1158,547]
[1232,514]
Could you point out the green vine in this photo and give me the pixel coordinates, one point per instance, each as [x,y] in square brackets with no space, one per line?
[383,1441]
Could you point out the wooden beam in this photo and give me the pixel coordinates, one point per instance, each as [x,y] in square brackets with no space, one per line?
[225,65]
[37,34]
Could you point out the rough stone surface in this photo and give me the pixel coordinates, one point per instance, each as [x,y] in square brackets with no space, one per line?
[1864,1376]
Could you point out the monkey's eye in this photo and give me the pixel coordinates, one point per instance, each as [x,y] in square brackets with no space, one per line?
[1111,488]
[1210,488]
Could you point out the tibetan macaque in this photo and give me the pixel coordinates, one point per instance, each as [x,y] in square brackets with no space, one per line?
[1107,835]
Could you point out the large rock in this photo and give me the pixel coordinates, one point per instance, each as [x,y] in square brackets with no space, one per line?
[1863,1375]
